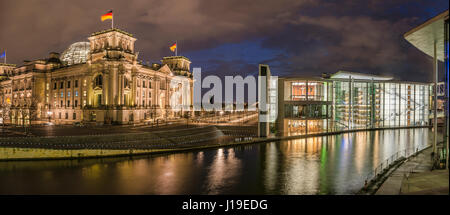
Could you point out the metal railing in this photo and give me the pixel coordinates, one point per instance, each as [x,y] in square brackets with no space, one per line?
[145,140]
[389,162]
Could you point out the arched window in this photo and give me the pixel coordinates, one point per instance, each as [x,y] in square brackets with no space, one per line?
[98,81]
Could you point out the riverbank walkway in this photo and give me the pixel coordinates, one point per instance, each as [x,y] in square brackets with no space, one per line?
[415,177]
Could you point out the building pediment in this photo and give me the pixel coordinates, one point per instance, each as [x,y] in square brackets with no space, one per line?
[165,69]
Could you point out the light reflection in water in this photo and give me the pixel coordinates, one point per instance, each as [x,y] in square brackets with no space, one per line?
[301,174]
[271,167]
[360,149]
[223,171]
[319,165]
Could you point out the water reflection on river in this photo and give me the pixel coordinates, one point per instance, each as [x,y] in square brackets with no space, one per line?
[321,165]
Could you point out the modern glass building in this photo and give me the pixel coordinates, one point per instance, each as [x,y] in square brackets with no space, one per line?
[347,101]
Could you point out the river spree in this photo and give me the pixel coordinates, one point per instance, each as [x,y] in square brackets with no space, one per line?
[321,165]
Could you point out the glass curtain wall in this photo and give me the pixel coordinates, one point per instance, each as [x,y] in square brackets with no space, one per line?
[361,103]
[307,111]
[341,104]
[303,90]
[371,104]
[346,104]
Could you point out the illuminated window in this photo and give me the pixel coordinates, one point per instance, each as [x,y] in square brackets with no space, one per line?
[76,93]
[127,83]
[98,80]
[298,91]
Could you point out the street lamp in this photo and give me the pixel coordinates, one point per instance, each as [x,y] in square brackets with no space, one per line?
[221,114]
[2,119]
[49,114]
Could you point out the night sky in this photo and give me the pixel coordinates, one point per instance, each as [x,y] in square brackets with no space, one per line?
[295,38]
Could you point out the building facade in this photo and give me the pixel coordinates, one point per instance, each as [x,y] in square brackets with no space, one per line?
[100,82]
[346,101]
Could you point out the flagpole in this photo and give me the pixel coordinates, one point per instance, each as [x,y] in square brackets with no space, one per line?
[5,56]
[176,48]
[112,20]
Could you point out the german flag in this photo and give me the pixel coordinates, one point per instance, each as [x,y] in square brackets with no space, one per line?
[173,47]
[108,15]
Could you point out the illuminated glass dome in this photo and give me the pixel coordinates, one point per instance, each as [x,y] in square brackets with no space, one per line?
[76,53]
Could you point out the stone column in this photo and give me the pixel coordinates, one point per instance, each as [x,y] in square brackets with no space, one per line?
[114,88]
[120,93]
[89,90]
[157,89]
[133,90]
[105,89]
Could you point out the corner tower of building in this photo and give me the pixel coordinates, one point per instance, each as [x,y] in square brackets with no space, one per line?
[6,69]
[178,64]
[112,44]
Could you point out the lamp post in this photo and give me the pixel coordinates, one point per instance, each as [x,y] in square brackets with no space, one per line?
[49,114]
[3,120]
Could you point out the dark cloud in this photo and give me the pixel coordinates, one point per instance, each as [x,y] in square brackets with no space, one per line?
[30,29]
[360,36]
[307,37]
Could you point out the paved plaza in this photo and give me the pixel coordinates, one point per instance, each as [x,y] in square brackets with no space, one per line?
[416,177]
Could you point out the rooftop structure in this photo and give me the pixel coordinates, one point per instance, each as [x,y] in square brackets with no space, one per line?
[76,53]
[425,35]
[359,76]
